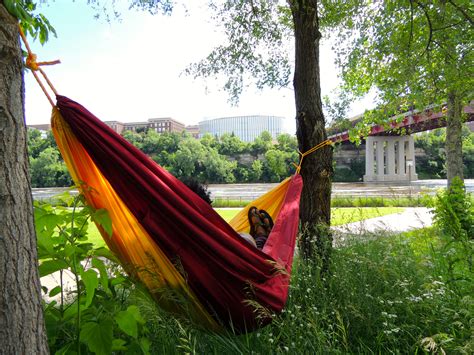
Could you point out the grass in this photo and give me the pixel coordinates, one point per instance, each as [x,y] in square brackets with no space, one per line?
[386,295]
[339,216]
[348,201]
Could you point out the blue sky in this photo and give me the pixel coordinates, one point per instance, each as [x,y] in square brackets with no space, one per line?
[131,70]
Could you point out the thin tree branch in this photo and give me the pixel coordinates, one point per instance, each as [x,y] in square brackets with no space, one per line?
[446,51]
[461,10]
[411,24]
[448,26]
[428,19]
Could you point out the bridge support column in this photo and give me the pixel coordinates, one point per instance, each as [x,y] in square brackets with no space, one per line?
[369,159]
[410,160]
[390,159]
[380,153]
[395,158]
[401,164]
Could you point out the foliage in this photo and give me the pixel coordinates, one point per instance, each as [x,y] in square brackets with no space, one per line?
[354,172]
[47,168]
[222,159]
[432,165]
[412,52]
[257,33]
[36,25]
[209,159]
[92,313]
[454,212]
[384,293]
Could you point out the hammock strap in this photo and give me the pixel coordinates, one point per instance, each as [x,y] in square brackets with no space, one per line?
[312,150]
[34,66]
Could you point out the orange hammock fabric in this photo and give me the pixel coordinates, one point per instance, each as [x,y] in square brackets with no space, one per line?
[191,260]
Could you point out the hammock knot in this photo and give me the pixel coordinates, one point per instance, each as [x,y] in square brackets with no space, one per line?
[31,62]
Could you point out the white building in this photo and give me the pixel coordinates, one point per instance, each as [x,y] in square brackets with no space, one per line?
[247,128]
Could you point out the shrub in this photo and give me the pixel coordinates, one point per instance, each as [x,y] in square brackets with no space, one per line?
[92,313]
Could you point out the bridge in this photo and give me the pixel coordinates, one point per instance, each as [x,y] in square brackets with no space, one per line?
[390,148]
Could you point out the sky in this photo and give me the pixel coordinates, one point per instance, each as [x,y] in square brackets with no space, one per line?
[131,69]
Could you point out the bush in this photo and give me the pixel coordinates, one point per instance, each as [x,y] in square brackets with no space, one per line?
[92,313]
[454,211]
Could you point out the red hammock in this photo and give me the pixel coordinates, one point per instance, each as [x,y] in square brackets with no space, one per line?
[228,276]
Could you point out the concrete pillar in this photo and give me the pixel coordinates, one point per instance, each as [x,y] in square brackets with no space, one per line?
[401,158]
[411,167]
[391,159]
[380,151]
[369,159]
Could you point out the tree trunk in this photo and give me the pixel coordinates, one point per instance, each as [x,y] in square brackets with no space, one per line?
[317,168]
[22,328]
[454,163]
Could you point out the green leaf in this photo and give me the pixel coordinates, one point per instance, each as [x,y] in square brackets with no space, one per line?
[50,266]
[102,218]
[106,253]
[65,349]
[10,5]
[48,222]
[128,320]
[91,282]
[145,345]
[45,244]
[98,336]
[104,277]
[119,345]
[55,291]
[66,197]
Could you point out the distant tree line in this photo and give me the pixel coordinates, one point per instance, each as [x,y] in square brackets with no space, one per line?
[211,159]
[227,159]
[224,159]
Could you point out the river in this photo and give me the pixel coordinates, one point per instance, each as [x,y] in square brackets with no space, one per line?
[339,189]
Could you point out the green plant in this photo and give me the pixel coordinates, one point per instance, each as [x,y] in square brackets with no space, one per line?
[454,219]
[454,211]
[92,313]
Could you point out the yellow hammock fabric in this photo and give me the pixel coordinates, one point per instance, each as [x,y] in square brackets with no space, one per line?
[138,252]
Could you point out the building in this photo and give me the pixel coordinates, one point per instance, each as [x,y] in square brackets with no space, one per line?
[117,126]
[160,125]
[166,124]
[247,128]
[193,130]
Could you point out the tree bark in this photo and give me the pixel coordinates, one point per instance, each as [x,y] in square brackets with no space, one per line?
[310,130]
[22,328]
[454,163]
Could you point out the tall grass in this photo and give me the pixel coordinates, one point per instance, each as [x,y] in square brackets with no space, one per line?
[383,295]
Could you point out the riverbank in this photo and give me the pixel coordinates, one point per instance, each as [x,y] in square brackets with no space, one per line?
[248,192]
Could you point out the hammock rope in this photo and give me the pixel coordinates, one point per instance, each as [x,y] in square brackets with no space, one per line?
[309,151]
[32,64]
